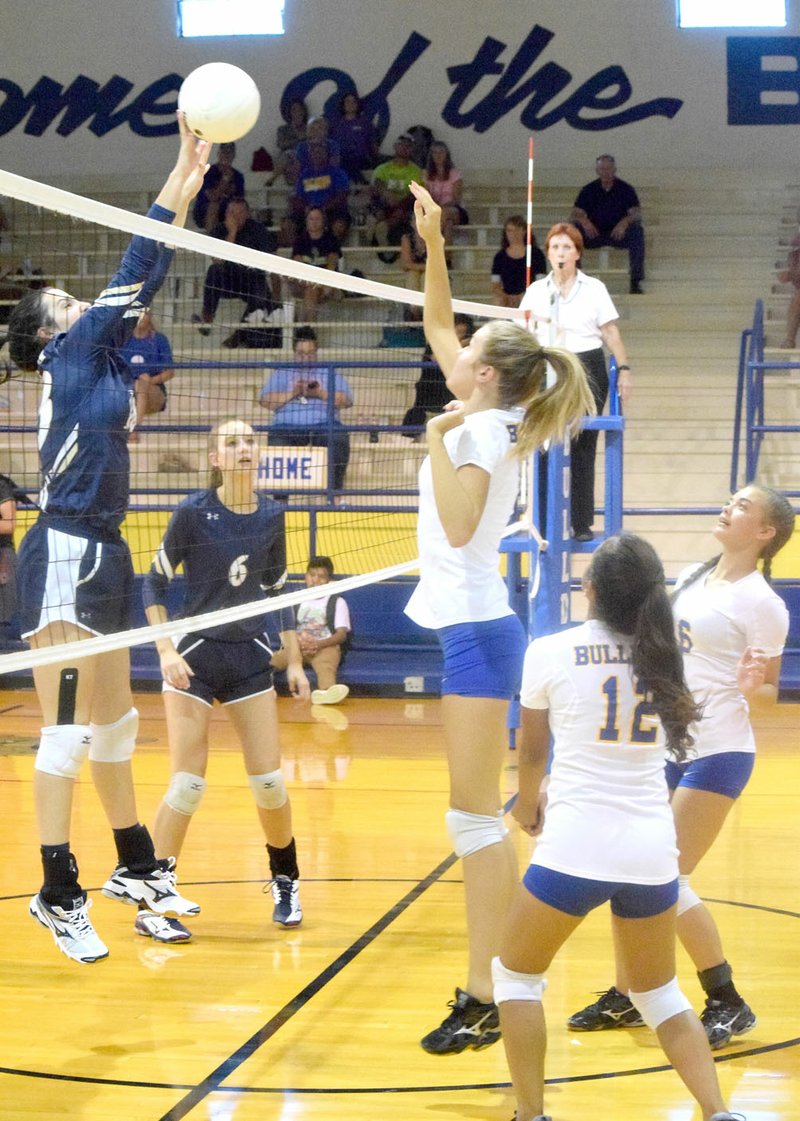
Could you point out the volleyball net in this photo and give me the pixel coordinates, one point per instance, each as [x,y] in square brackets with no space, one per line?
[244,329]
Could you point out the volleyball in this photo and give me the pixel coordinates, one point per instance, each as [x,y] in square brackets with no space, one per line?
[220,102]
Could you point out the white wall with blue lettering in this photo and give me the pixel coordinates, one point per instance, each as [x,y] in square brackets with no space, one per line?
[88,88]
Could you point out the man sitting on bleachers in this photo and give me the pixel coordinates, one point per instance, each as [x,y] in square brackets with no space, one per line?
[227,280]
[607,212]
[299,398]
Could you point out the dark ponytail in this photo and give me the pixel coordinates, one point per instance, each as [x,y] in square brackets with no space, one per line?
[24,341]
[630,598]
[693,577]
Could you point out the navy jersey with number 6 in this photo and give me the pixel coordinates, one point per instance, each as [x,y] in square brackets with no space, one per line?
[87,404]
[228,559]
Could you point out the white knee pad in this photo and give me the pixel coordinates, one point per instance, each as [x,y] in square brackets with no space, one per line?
[509,985]
[114,743]
[269,790]
[686,897]
[472,832]
[185,792]
[62,749]
[658,1005]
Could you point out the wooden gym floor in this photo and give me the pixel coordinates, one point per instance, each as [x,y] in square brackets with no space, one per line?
[249,1021]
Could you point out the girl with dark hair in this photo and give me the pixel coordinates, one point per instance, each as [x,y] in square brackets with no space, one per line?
[353,131]
[469,484]
[612,693]
[732,628]
[75,576]
[509,267]
[231,542]
[446,186]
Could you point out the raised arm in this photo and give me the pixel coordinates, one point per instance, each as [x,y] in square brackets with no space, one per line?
[186,177]
[438,309]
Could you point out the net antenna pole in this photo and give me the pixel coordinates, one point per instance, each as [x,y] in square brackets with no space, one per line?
[529,230]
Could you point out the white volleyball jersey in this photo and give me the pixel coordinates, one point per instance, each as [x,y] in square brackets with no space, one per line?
[608,815]
[465,585]
[716,621]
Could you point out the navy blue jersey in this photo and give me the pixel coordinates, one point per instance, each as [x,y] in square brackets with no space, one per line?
[87,406]
[227,558]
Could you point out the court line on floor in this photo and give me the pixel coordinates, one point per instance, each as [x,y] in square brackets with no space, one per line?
[199,1091]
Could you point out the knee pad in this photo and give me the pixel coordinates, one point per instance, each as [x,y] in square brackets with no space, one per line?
[686,897]
[185,792]
[509,985]
[658,1005]
[472,832]
[269,790]
[62,749]
[114,743]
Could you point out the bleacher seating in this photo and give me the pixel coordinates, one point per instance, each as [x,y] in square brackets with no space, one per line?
[710,255]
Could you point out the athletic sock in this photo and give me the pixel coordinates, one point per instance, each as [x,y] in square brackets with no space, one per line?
[283,862]
[61,886]
[135,849]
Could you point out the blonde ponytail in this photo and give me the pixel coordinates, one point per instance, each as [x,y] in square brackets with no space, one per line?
[551,413]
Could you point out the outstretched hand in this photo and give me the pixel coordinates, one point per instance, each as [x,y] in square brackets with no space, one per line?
[192,162]
[427,213]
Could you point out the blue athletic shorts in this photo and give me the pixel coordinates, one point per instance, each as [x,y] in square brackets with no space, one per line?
[62,577]
[225,671]
[483,659]
[727,773]
[577,896]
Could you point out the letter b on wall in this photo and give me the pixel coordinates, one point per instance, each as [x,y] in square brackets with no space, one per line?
[764,80]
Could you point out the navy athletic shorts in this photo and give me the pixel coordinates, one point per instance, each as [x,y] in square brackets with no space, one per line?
[225,671]
[62,577]
[727,773]
[483,659]
[575,895]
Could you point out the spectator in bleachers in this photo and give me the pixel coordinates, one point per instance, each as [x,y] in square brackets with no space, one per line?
[316,245]
[230,281]
[430,392]
[607,212]
[317,133]
[791,274]
[298,397]
[392,204]
[321,184]
[446,186]
[222,183]
[323,630]
[413,255]
[292,132]
[509,267]
[353,131]
[148,347]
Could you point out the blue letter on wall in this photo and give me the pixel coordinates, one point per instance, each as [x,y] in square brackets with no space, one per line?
[748,80]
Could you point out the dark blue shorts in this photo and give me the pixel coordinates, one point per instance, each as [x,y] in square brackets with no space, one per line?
[727,773]
[577,896]
[62,577]
[225,671]
[483,659]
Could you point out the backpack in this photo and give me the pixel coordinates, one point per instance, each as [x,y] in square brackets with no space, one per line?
[330,623]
